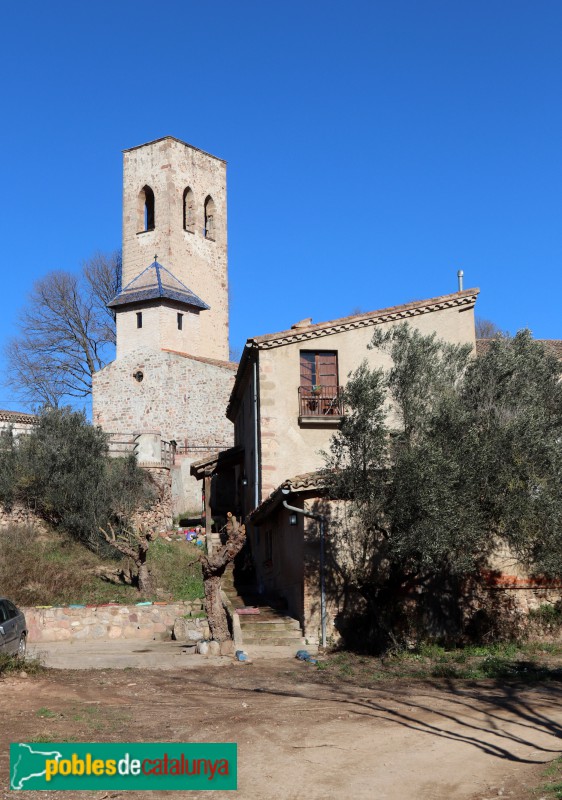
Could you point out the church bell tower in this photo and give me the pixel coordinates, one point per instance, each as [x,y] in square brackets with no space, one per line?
[175,279]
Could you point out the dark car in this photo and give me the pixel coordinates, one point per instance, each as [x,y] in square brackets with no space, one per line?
[13,630]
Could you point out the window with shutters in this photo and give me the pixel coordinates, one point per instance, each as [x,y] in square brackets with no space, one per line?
[319,391]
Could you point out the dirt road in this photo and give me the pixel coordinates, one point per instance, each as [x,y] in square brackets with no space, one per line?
[299,737]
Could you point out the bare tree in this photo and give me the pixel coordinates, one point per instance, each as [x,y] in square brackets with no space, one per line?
[66,333]
[213,567]
[134,544]
[102,274]
[486,329]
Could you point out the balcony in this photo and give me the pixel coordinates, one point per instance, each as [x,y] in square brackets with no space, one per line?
[320,405]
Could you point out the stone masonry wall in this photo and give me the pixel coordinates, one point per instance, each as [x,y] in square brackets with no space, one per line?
[181,397]
[19,515]
[159,515]
[169,167]
[109,622]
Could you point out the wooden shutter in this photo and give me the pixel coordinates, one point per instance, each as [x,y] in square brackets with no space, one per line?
[327,368]
[308,369]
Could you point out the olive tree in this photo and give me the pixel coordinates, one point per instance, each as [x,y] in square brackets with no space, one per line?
[443,457]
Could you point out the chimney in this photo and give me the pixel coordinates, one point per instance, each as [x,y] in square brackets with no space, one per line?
[460,276]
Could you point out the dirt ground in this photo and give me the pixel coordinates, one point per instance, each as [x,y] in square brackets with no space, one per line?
[300,737]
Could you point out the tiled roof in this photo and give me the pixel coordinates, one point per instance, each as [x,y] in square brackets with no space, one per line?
[464,299]
[217,460]
[215,362]
[154,283]
[554,345]
[18,416]
[309,481]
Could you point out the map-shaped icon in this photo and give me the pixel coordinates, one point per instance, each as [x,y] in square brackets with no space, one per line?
[28,765]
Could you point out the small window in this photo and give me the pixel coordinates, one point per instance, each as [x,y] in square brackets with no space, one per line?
[188,211]
[180,322]
[139,319]
[209,231]
[11,609]
[146,209]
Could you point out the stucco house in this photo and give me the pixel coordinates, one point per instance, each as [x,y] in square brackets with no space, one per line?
[285,406]
[17,421]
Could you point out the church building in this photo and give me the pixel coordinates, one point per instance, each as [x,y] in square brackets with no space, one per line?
[171,379]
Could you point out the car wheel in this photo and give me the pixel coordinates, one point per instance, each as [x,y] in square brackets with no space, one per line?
[22,646]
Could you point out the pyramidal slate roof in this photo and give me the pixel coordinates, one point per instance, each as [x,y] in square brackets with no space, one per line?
[155,283]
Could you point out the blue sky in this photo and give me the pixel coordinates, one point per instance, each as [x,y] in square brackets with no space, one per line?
[373,147]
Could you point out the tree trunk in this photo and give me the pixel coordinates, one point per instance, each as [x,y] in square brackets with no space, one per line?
[216,615]
[213,567]
[144,579]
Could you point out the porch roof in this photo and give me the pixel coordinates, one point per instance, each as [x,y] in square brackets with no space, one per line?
[216,462]
[308,483]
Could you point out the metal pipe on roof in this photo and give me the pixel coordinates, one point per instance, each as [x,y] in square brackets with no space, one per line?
[460,276]
[256,438]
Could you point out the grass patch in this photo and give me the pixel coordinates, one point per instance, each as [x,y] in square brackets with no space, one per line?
[10,665]
[46,713]
[175,568]
[54,569]
[553,789]
[500,662]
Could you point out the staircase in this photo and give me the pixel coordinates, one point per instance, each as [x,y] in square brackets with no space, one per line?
[270,627]
[216,541]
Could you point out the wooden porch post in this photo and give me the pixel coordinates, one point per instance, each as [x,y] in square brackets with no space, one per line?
[208,515]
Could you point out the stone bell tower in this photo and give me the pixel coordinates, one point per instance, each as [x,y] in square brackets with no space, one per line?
[174,216]
[170,382]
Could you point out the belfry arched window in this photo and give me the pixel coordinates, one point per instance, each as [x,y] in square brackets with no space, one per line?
[209,230]
[188,211]
[146,209]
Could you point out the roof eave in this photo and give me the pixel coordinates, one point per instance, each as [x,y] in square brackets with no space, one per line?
[465,299]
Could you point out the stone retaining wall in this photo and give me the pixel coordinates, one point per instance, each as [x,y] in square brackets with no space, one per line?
[20,516]
[105,622]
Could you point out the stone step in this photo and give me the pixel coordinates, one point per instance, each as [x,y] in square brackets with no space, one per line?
[269,625]
[273,640]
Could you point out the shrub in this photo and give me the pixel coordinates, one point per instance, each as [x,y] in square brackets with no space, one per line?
[62,471]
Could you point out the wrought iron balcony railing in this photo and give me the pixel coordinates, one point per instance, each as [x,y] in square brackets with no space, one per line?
[320,401]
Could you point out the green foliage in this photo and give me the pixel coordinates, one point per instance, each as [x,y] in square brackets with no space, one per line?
[547,615]
[7,469]
[10,665]
[504,662]
[176,566]
[62,471]
[54,569]
[442,456]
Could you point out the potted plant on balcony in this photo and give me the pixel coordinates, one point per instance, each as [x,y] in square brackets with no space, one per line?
[316,389]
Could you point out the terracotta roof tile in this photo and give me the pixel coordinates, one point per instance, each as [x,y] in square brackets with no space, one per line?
[553,345]
[18,416]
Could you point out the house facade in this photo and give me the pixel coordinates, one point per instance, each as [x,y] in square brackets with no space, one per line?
[285,406]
